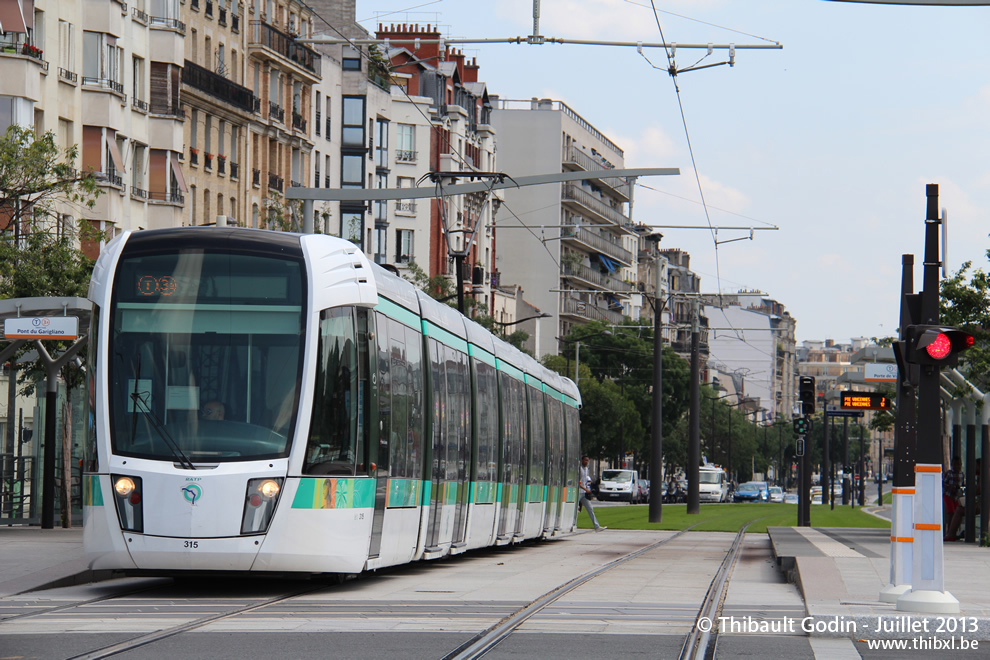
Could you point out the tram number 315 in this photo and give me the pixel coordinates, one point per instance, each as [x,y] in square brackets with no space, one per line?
[191,544]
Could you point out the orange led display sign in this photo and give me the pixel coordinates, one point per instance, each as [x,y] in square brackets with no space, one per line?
[864,401]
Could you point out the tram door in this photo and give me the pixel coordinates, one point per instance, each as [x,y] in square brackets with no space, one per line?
[555,464]
[438,472]
[380,361]
[459,445]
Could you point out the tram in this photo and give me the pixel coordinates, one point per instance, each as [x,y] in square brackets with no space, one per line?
[272,402]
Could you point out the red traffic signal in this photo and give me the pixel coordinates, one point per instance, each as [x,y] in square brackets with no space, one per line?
[935,345]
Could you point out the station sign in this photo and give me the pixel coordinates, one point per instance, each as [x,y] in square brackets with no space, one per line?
[41,327]
[880,372]
[864,401]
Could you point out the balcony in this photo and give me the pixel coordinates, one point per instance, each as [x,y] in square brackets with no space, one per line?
[316,126]
[326,132]
[139,105]
[139,16]
[193,156]
[298,122]
[577,159]
[275,182]
[585,202]
[266,42]
[256,178]
[221,165]
[162,23]
[209,8]
[166,110]
[405,156]
[171,197]
[217,86]
[405,207]
[208,162]
[326,181]
[235,23]
[68,76]
[589,311]
[138,193]
[596,278]
[103,83]
[234,170]
[596,242]
[222,18]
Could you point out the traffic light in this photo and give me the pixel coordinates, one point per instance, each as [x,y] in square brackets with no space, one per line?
[802,426]
[936,345]
[806,394]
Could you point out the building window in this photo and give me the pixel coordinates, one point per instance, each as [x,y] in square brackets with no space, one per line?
[403,246]
[381,205]
[102,61]
[406,149]
[352,171]
[352,226]
[381,144]
[352,128]
[381,243]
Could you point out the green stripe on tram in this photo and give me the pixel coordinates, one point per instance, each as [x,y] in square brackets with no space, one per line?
[444,337]
[483,492]
[332,493]
[501,365]
[92,493]
[481,354]
[404,492]
[572,402]
[397,312]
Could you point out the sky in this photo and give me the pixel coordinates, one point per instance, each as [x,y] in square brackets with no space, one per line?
[826,144]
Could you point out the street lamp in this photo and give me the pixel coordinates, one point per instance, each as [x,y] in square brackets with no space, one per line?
[506,324]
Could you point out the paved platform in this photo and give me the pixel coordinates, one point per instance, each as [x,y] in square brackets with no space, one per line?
[840,573]
[32,558]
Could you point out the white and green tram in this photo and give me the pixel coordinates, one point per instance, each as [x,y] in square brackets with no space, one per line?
[273,402]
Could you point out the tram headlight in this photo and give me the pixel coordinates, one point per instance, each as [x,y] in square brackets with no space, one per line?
[130,507]
[259,504]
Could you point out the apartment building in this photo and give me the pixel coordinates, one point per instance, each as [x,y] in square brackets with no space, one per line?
[572,246]
[247,89]
[753,338]
[102,75]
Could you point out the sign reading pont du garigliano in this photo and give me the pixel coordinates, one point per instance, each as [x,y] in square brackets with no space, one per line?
[41,327]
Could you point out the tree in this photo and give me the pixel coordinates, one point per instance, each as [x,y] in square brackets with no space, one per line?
[966,305]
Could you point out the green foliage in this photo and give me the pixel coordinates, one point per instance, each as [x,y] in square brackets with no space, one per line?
[731,517]
[965,303]
[39,254]
[35,175]
[438,287]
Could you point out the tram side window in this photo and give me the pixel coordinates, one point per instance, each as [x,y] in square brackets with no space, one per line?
[537,435]
[458,390]
[487,416]
[513,433]
[406,405]
[334,436]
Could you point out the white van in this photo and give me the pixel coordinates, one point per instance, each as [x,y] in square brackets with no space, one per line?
[713,484]
[619,485]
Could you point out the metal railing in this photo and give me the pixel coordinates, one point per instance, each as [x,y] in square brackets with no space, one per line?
[221,165]
[405,207]
[285,45]
[595,277]
[298,122]
[209,8]
[275,182]
[162,23]
[193,156]
[574,192]
[138,104]
[276,112]
[172,196]
[589,311]
[255,177]
[235,170]
[326,133]
[405,156]
[139,193]
[167,110]
[103,83]
[599,243]
[588,163]
[316,126]
[65,74]
[139,15]
[216,85]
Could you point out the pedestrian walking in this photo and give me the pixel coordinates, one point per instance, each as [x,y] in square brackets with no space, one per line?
[585,500]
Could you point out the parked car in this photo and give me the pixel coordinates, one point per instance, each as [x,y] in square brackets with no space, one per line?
[752,491]
[790,498]
[776,494]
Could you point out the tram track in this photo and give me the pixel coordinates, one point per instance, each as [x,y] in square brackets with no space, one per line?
[697,646]
[510,619]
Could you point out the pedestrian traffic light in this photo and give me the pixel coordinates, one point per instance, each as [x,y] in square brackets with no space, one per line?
[806,394]
[802,426]
[936,345]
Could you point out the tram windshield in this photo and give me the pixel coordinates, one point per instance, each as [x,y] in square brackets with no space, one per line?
[205,356]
